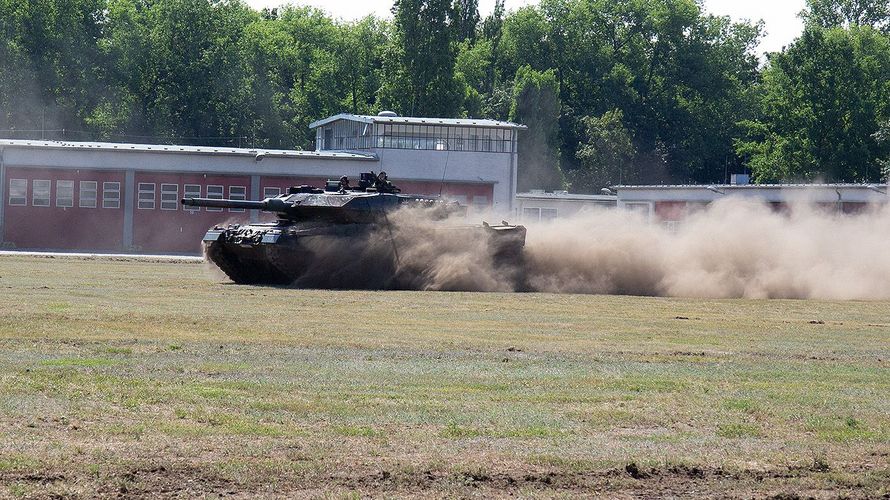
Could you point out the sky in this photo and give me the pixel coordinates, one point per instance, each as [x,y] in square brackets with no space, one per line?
[780,16]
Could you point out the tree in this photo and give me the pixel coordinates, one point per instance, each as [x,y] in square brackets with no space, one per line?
[607,155]
[882,136]
[466,19]
[536,104]
[681,78]
[51,63]
[419,63]
[846,13]
[361,60]
[820,106]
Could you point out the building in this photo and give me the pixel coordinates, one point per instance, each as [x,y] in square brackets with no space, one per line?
[671,204]
[125,197]
[482,153]
[539,205]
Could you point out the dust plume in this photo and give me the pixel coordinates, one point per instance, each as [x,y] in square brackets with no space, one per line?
[446,255]
[733,248]
[410,251]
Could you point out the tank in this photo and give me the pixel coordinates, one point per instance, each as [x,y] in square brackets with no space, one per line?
[342,237]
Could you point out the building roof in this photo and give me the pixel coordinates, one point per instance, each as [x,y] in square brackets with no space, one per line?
[165,148]
[563,195]
[711,187]
[775,193]
[409,120]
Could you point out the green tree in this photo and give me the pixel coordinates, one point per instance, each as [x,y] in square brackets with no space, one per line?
[466,19]
[821,104]
[51,63]
[361,61]
[882,136]
[845,13]
[176,67]
[607,155]
[419,63]
[681,78]
[536,104]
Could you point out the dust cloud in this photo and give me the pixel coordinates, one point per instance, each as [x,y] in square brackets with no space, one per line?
[413,251]
[734,248]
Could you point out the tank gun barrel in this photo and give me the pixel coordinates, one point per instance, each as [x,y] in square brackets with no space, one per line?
[221,203]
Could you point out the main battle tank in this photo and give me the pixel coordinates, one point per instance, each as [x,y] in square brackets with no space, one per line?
[341,237]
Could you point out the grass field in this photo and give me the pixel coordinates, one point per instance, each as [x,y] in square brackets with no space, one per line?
[159,379]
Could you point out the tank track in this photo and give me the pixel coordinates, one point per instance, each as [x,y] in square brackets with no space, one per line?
[282,259]
[241,268]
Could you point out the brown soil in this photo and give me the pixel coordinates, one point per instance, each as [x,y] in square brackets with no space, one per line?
[631,481]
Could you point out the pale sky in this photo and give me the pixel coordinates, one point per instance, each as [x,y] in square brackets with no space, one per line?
[780,16]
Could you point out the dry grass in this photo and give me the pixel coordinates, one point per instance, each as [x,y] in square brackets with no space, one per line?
[156,378]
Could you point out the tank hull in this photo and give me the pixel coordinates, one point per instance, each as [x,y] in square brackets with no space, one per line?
[343,256]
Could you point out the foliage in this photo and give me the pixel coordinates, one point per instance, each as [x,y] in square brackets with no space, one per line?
[845,13]
[607,155]
[882,136]
[820,107]
[684,87]
[419,76]
[536,104]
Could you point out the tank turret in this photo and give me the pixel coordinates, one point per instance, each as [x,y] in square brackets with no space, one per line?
[365,203]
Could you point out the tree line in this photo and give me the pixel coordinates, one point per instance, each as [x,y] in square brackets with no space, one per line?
[631,91]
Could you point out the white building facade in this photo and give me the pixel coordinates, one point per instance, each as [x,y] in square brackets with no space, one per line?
[430,151]
[543,206]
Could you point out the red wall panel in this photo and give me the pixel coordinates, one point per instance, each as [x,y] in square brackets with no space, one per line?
[433,188]
[180,231]
[72,228]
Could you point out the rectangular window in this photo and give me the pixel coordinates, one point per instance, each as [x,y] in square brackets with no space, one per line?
[18,192]
[169,196]
[146,196]
[214,193]
[480,201]
[548,214]
[641,208]
[531,214]
[328,138]
[88,194]
[237,193]
[271,192]
[40,195]
[111,195]
[64,194]
[191,191]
